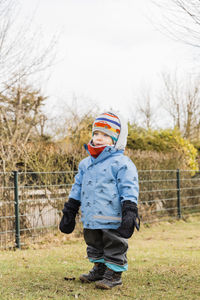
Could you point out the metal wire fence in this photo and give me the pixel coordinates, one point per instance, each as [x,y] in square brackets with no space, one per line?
[31,203]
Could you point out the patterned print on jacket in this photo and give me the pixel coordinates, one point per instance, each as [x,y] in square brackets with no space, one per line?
[102,184]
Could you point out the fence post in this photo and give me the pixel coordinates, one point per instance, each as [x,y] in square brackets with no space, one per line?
[17,221]
[178,193]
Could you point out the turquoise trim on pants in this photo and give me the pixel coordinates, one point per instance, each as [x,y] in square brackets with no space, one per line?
[115,268]
[101,260]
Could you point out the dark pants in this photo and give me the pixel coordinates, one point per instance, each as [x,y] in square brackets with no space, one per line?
[106,245]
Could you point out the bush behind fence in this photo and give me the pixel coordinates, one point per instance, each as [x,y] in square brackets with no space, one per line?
[31,203]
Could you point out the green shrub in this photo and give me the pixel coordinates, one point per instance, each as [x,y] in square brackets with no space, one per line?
[180,152]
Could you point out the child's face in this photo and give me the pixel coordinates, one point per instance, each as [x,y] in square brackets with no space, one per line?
[101,138]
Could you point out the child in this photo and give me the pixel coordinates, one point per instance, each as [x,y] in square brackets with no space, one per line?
[106,188]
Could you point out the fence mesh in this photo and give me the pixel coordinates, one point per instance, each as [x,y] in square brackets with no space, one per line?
[7,214]
[164,194]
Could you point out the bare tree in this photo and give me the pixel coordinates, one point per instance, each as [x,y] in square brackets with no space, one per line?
[180,19]
[22,50]
[20,112]
[145,111]
[192,110]
[23,53]
[171,98]
[181,99]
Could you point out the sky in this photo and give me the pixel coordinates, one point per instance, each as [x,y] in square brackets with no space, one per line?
[108,52]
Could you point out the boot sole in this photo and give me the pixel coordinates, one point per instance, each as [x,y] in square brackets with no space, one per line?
[103,286]
[84,280]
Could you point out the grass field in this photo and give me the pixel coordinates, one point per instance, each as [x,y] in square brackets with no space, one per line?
[164,263]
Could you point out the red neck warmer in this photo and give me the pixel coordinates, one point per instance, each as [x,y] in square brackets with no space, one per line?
[95,151]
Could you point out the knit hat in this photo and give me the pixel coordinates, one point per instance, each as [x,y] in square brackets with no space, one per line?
[109,124]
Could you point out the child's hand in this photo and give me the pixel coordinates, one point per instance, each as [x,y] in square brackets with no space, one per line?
[68,222]
[130,219]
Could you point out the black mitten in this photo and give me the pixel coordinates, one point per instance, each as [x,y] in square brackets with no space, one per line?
[130,219]
[68,222]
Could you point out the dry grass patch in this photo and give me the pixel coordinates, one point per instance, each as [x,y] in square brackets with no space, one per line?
[164,263]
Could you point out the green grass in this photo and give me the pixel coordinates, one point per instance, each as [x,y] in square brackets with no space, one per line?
[164,263]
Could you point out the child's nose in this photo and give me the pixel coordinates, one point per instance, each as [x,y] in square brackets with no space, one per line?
[99,137]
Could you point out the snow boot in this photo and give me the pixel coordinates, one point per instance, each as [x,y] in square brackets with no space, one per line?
[110,279]
[95,274]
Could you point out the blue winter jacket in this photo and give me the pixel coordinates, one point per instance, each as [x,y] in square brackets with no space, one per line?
[101,185]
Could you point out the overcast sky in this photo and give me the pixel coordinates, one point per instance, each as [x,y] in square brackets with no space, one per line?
[107,50]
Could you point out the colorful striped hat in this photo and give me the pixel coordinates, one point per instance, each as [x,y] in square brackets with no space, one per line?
[109,124]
